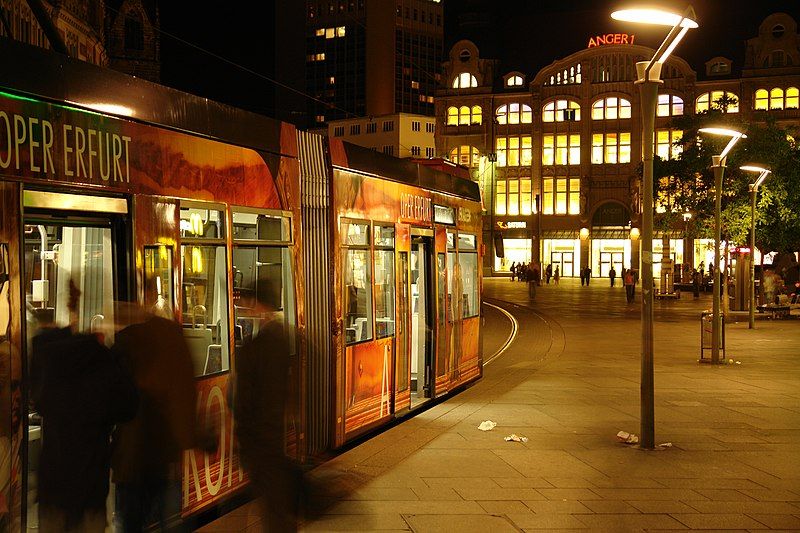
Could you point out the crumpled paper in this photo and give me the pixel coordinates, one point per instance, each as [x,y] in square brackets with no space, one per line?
[627,438]
[515,438]
[487,425]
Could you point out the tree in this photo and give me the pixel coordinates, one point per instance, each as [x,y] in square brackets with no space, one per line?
[687,183]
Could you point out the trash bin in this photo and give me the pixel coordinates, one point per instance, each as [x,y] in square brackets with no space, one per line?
[706,334]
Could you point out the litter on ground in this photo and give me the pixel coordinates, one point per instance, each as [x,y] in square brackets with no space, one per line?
[515,438]
[487,425]
[627,438]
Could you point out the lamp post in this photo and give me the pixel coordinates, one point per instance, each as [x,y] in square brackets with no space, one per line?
[763,173]
[687,216]
[718,165]
[649,73]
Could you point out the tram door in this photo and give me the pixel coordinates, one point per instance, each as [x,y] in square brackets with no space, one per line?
[422,317]
[607,259]
[62,246]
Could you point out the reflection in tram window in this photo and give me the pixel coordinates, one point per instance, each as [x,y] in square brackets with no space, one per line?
[384,282]
[202,223]
[205,306]
[357,277]
[261,227]
[452,306]
[158,280]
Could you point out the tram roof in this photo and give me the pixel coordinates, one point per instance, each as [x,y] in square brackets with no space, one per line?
[367,161]
[48,75]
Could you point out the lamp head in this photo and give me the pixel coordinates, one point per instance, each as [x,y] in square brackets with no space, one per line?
[734,135]
[763,173]
[656,16]
[687,216]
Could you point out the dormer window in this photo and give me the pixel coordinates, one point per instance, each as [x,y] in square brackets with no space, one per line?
[720,68]
[464,80]
[514,81]
[778,30]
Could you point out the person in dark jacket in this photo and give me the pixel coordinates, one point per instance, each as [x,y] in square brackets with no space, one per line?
[260,409]
[80,391]
[148,449]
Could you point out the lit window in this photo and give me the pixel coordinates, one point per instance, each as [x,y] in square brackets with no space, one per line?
[330,33]
[568,76]
[340,31]
[465,155]
[611,108]
[561,196]
[792,98]
[667,143]
[669,105]
[332,80]
[719,100]
[611,148]
[452,116]
[320,32]
[465,80]
[776,98]
[514,114]
[514,151]
[514,81]
[561,149]
[429,99]
[415,85]
[320,118]
[762,99]
[560,111]
[500,207]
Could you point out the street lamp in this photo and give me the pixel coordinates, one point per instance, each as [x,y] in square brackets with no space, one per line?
[687,216]
[763,173]
[649,73]
[718,164]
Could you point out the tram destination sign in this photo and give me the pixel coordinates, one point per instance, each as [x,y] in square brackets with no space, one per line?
[415,207]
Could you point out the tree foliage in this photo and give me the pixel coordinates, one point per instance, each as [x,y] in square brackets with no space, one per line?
[688,181]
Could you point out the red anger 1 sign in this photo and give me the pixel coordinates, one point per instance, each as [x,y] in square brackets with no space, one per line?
[610,38]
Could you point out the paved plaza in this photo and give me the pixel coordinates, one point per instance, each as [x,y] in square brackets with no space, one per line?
[569,382]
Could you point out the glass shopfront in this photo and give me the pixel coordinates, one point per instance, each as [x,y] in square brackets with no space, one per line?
[607,253]
[516,251]
[564,254]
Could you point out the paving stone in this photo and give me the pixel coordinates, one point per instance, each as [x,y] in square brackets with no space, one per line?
[752,507]
[609,507]
[629,522]
[557,507]
[569,494]
[438,493]
[361,522]
[382,493]
[717,521]
[491,493]
[434,523]
[778,521]
[523,483]
[661,506]
[498,507]
[530,521]
[406,507]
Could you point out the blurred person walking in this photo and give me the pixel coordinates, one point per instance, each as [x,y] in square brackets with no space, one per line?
[557,275]
[630,287]
[260,407]
[149,448]
[80,391]
[612,274]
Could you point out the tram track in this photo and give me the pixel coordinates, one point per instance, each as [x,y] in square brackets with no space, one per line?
[511,336]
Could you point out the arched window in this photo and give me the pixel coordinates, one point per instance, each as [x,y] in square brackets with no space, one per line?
[452,116]
[463,115]
[514,114]
[568,76]
[465,155]
[776,98]
[134,32]
[611,108]
[792,98]
[721,100]
[465,80]
[669,105]
[762,99]
[514,81]
[560,111]
[477,115]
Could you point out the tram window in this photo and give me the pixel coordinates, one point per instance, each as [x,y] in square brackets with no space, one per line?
[466,242]
[452,305]
[262,227]
[158,279]
[468,263]
[205,306]
[384,282]
[197,222]
[262,274]
[356,234]
[357,296]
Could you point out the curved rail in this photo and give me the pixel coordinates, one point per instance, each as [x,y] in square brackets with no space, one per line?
[511,336]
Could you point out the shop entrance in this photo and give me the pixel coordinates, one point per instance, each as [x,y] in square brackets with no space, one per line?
[609,259]
[69,239]
[422,316]
[565,262]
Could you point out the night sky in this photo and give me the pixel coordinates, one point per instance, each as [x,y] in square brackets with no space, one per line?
[525,35]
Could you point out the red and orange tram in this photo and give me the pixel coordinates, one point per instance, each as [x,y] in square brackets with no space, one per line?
[141,193]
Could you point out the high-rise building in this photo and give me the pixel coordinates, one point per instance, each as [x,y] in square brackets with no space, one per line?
[372,57]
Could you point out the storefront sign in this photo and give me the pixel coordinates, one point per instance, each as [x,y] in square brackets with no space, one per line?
[415,207]
[610,38]
[511,224]
[443,214]
[464,215]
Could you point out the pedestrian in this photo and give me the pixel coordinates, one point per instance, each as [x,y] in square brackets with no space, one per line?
[588,275]
[148,449]
[629,285]
[557,275]
[548,273]
[612,274]
[583,275]
[513,270]
[80,390]
[536,275]
[260,407]
[696,279]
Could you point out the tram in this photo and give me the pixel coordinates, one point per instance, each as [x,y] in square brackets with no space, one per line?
[140,193]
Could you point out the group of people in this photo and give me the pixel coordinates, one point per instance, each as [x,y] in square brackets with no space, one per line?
[525,272]
[127,413]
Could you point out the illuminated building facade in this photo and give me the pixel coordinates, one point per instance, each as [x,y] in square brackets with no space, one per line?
[556,154]
[372,57]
